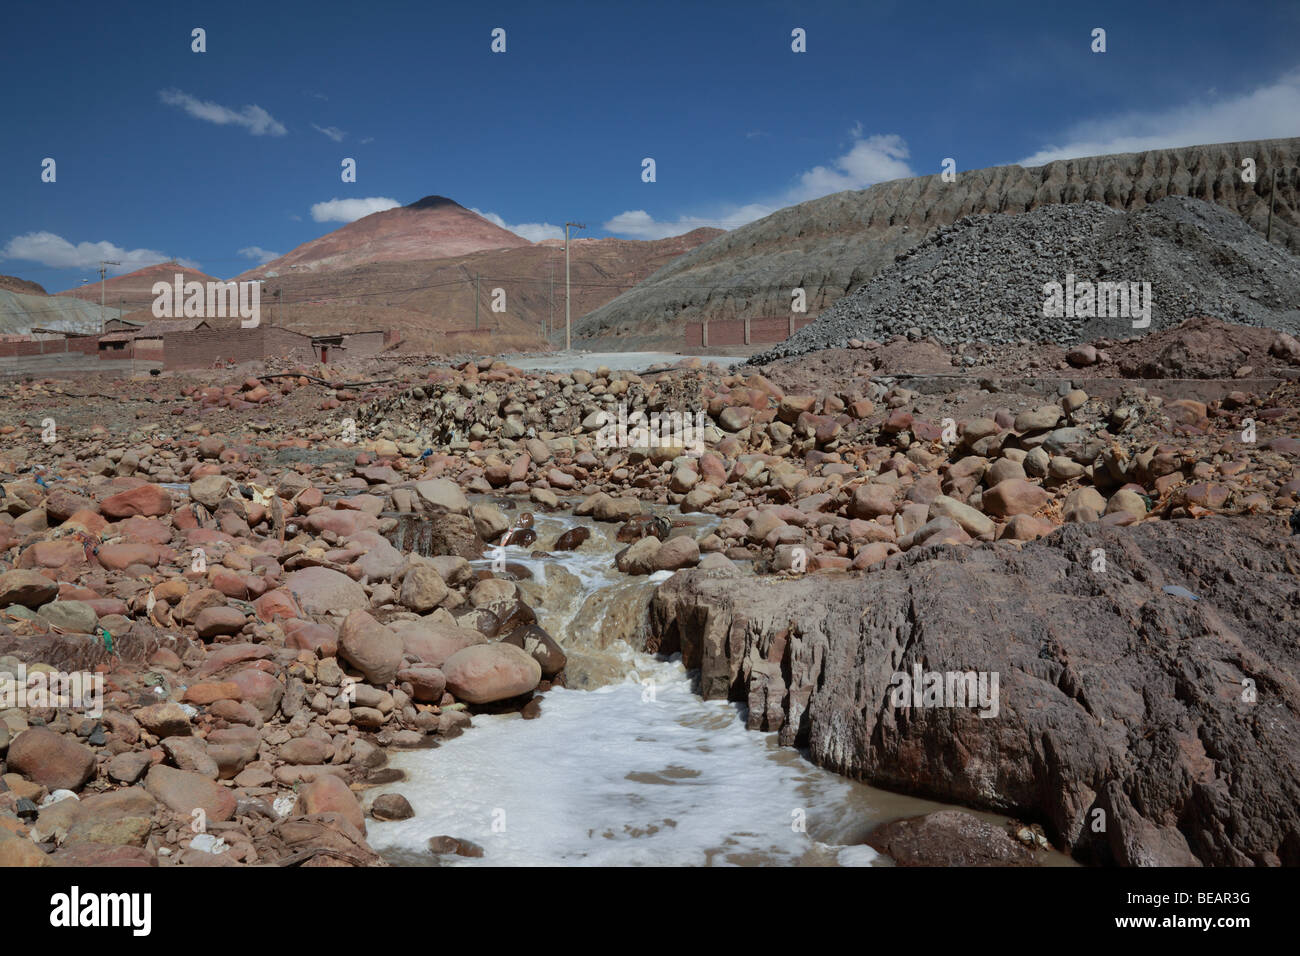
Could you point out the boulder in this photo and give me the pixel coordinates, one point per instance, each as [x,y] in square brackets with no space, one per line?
[949,838]
[423,589]
[211,490]
[1084,672]
[1039,419]
[487,673]
[184,791]
[440,494]
[615,509]
[147,500]
[680,551]
[971,521]
[431,642]
[76,617]
[541,647]
[214,621]
[1014,496]
[489,521]
[28,588]
[329,794]
[55,761]
[320,590]
[370,647]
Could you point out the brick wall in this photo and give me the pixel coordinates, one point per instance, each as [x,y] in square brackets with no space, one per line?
[84,346]
[726,332]
[202,347]
[284,344]
[364,343]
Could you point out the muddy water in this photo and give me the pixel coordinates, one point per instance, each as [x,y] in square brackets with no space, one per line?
[627,765]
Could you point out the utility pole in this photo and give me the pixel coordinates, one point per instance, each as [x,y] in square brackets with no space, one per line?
[476,278]
[1272,197]
[103,268]
[550,300]
[568,317]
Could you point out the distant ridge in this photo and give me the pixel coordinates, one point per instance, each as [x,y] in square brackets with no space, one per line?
[833,245]
[135,289]
[24,286]
[434,227]
[25,305]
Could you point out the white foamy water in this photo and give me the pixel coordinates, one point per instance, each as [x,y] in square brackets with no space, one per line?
[616,776]
[640,771]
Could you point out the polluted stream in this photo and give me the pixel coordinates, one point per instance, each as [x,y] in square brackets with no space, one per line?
[627,764]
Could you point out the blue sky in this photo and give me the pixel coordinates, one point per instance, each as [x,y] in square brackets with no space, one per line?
[223,157]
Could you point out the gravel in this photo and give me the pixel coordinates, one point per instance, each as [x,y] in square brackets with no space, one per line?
[982,278]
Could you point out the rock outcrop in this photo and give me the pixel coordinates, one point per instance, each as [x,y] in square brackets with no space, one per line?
[1146,714]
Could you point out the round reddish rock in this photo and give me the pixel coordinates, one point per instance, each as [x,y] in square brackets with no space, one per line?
[427,683]
[432,642]
[391,806]
[305,750]
[148,530]
[329,794]
[148,500]
[319,590]
[184,791]
[53,554]
[370,647]
[1014,497]
[422,589]
[490,672]
[209,692]
[28,588]
[211,447]
[320,639]
[55,761]
[277,604]
[259,690]
[214,621]
[678,552]
[342,523]
[61,505]
[122,555]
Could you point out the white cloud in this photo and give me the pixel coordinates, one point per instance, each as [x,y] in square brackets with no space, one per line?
[333,132]
[253,118]
[368,139]
[263,256]
[58,253]
[876,159]
[350,210]
[868,161]
[1271,111]
[639,224]
[532,231]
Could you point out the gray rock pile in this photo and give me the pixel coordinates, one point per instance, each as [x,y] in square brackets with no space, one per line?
[833,245]
[982,278]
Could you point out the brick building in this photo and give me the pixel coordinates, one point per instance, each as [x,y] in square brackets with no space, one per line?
[204,347]
[332,347]
[180,344]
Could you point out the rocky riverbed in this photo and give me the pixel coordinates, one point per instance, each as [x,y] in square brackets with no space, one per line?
[292,587]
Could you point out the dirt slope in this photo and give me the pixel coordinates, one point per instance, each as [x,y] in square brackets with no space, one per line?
[833,245]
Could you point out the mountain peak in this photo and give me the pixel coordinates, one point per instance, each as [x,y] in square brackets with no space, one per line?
[434,227]
[433,202]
